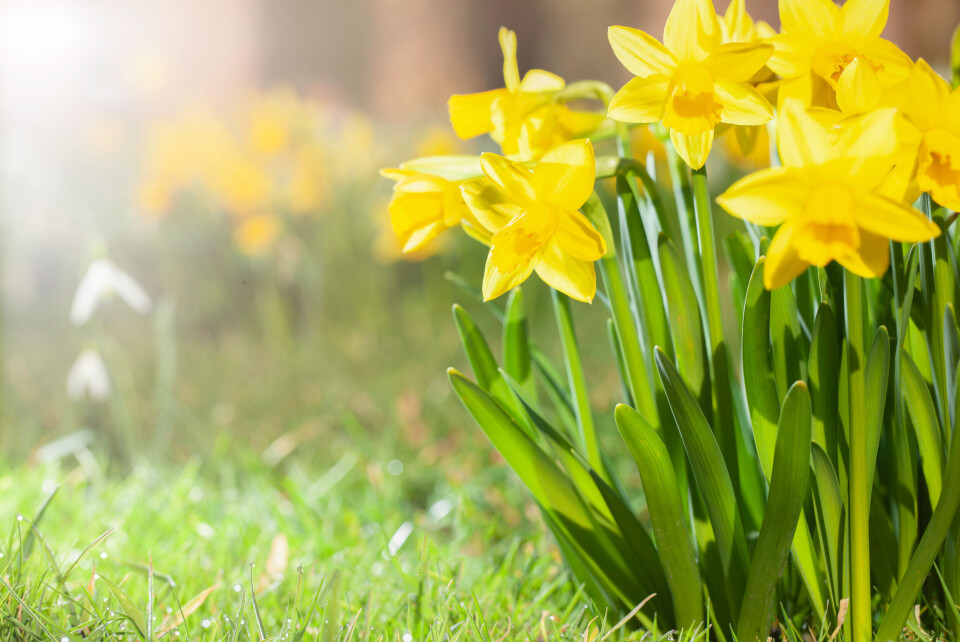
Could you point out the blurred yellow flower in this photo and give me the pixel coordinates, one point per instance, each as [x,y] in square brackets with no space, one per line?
[819,44]
[307,185]
[826,197]
[437,142]
[256,234]
[691,82]
[423,206]
[387,248]
[240,184]
[521,117]
[535,221]
[932,110]
[271,120]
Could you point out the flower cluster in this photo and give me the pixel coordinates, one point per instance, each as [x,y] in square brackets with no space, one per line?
[861,131]
[259,166]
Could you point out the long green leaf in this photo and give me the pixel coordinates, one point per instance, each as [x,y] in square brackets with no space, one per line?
[686,324]
[878,371]
[926,424]
[823,373]
[712,477]
[665,506]
[516,343]
[829,507]
[788,489]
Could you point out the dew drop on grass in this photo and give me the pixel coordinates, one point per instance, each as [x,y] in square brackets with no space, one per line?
[407,637]
[103,556]
[64,639]
[205,623]
[395,467]
[236,588]
[19,518]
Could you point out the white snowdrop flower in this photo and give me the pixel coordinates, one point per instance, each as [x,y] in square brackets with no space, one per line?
[102,281]
[88,377]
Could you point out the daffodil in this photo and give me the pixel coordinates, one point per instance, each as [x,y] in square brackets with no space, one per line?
[933,111]
[826,197]
[534,218]
[522,117]
[256,234]
[736,25]
[425,205]
[819,44]
[691,82]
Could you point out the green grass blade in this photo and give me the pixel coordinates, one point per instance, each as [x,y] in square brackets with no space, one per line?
[926,424]
[788,489]
[131,610]
[711,476]
[665,506]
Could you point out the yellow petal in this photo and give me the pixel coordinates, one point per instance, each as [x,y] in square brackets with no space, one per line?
[692,149]
[488,204]
[692,32]
[871,259]
[419,238]
[783,263]
[640,53]
[564,176]
[864,19]
[513,179]
[812,18]
[738,62]
[869,142]
[792,54]
[537,80]
[641,100]
[736,24]
[892,220]
[471,114]
[858,89]
[508,45]
[496,283]
[742,104]
[563,272]
[892,64]
[578,237]
[767,197]
[927,97]
[801,139]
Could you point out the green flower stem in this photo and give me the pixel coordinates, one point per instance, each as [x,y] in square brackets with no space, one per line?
[860,589]
[710,280]
[578,384]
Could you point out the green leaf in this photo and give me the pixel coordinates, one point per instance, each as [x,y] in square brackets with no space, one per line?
[516,343]
[788,489]
[485,367]
[926,425]
[686,325]
[758,377]
[670,529]
[648,300]
[785,338]
[711,475]
[823,373]
[878,370]
[929,547]
[829,509]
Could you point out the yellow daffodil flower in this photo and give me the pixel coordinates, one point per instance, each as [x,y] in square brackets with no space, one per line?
[819,44]
[536,225]
[933,111]
[521,117]
[736,25]
[825,197]
[256,234]
[691,82]
[424,205]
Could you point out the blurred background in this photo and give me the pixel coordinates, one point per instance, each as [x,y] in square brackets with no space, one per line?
[224,154]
